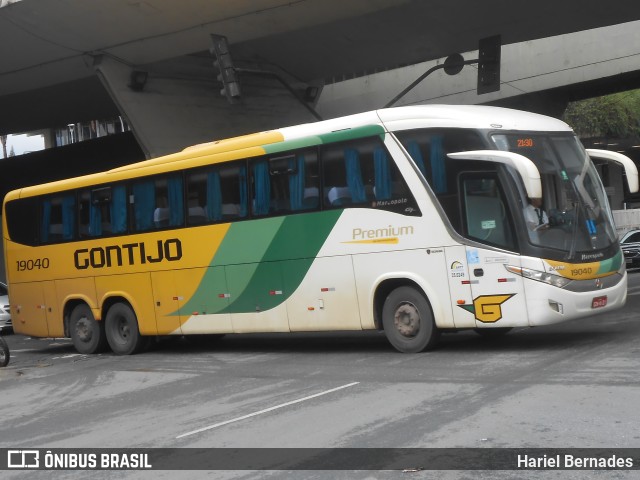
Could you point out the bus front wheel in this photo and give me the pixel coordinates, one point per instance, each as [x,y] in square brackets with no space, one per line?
[408,321]
[121,326]
[87,334]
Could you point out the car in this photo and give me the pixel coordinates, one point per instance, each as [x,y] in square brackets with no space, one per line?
[630,244]
[5,314]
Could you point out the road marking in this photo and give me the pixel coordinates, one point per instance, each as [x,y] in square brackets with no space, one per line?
[270,409]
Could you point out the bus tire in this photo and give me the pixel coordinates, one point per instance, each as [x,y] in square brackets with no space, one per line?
[86,332]
[5,355]
[121,327]
[408,321]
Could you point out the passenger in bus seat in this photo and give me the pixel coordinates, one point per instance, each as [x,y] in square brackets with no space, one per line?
[161,213]
[196,212]
[339,195]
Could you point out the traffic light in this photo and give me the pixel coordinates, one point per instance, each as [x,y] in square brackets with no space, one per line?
[228,75]
[489,64]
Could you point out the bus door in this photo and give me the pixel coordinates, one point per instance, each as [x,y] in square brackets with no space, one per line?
[459,286]
[497,295]
[326,299]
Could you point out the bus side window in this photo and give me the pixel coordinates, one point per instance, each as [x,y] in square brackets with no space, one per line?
[363,173]
[103,211]
[158,202]
[287,182]
[217,194]
[343,183]
[20,231]
[196,197]
[487,217]
[58,218]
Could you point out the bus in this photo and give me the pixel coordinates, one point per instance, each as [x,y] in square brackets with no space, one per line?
[411,220]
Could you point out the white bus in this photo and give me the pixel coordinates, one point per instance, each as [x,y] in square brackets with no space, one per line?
[412,220]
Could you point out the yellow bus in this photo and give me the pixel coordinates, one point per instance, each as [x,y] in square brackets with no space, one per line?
[411,220]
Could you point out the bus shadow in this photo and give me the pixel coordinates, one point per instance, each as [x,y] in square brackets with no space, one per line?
[526,339]
[542,338]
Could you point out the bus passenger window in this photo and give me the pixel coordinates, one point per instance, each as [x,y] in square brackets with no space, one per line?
[217,194]
[287,182]
[158,203]
[363,173]
[103,211]
[58,218]
[428,149]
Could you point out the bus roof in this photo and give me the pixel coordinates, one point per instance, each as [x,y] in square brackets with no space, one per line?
[342,128]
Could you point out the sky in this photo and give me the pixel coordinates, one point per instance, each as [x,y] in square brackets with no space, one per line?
[23,144]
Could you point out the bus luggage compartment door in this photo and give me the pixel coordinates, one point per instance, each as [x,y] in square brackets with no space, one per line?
[28,309]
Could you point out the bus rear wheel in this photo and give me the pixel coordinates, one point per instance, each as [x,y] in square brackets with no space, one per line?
[121,327]
[408,321]
[87,334]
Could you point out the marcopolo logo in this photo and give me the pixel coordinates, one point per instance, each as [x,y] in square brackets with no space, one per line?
[128,254]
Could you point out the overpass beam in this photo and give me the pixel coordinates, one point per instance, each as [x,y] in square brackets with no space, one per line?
[179,103]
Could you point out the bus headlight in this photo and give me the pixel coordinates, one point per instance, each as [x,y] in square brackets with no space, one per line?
[555,280]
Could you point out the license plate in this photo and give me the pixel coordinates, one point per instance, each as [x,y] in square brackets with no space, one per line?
[598,302]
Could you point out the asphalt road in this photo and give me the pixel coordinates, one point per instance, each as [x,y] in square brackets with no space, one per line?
[570,385]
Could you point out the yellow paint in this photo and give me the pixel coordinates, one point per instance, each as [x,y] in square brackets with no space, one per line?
[577,271]
[247,146]
[130,280]
[387,241]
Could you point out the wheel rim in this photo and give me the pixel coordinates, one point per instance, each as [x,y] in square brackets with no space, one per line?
[123,330]
[3,355]
[84,332]
[406,320]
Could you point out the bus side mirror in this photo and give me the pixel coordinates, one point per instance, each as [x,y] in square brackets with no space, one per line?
[526,168]
[630,169]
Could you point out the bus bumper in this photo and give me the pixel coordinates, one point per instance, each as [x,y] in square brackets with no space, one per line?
[547,304]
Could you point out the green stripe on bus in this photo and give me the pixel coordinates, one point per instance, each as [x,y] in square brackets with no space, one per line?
[352,133]
[264,261]
[337,136]
[611,265]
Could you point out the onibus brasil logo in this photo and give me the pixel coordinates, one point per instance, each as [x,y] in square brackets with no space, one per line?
[487,308]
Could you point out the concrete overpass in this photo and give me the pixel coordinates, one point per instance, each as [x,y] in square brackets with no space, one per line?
[539,75]
[65,61]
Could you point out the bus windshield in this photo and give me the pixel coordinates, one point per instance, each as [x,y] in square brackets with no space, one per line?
[573,214]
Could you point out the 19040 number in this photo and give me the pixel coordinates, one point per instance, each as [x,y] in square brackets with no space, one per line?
[37,264]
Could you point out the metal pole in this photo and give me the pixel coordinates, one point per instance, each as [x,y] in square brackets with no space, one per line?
[422,77]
